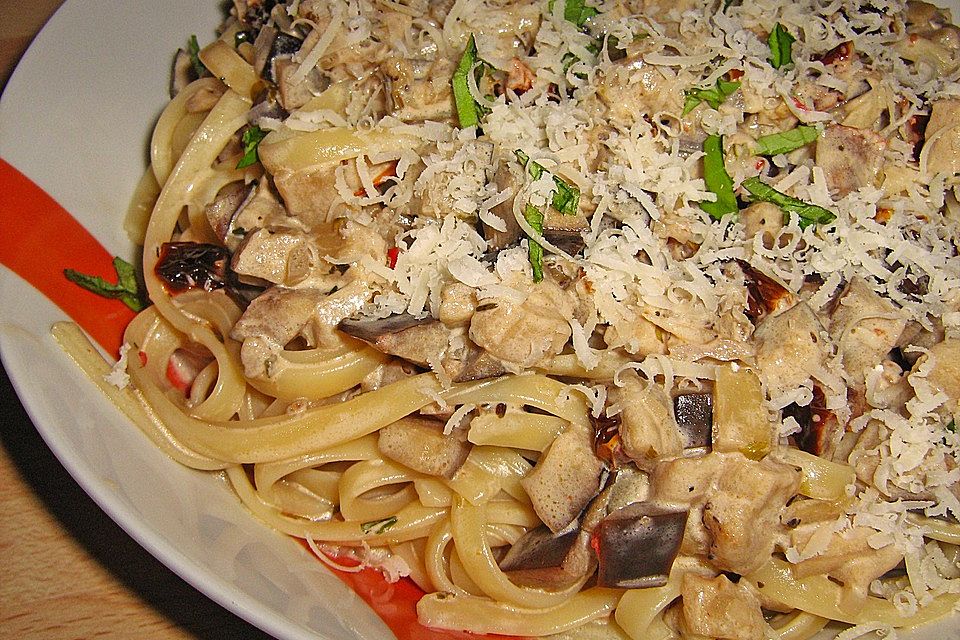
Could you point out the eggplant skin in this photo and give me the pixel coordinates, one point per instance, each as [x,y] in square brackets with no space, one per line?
[636,546]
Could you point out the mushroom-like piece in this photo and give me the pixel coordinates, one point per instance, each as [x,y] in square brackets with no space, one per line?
[865,327]
[942,150]
[419,443]
[790,348]
[525,334]
[850,158]
[636,545]
[565,479]
[419,340]
[274,256]
[648,428]
[426,342]
[945,373]
[718,608]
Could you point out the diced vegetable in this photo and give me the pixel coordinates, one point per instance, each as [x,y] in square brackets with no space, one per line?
[780,42]
[636,546]
[717,179]
[694,413]
[740,421]
[713,96]
[786,141]
[127,290]
[541,558]
[808,213]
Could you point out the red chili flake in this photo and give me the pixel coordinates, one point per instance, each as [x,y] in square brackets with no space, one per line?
[759,164]
[734,74]
[392,254]
[143,358]
[799,104]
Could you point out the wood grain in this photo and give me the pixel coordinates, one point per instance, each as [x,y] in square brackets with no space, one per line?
[67,570]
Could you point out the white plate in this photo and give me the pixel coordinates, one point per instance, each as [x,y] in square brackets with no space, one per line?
[75,118]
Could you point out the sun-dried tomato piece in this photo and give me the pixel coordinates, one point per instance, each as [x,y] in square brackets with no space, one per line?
[193,265]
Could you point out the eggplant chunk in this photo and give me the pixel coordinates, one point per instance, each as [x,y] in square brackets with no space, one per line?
[413,339]
[565,479]
[565,231]
[636,546]
[419,443]
[694,412]
[547,560]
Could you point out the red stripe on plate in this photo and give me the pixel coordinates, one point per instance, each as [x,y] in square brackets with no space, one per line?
[39,239]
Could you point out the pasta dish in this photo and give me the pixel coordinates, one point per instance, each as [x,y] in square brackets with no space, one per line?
[620,319]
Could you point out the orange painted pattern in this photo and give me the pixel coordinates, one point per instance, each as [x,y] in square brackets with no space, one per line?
[39,239]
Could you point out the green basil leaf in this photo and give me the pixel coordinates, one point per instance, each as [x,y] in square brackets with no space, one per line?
[780,42]
[127,290]
[565,199]
[534,218]
[717,179]
[576,11]
[808,213]
[714,96]
[468,111]
[251,141]
[378,526]
[193,49]
[786,141]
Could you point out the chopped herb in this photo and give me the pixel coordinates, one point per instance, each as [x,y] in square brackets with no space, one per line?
[534,218]
[714,96]
[565,199]
[808,213]
[193,49]
[780,42]
[576,11]
[952,427]
[251,140]
[786,141]
[126,290]
[378,526]
[469,110]
[717,179]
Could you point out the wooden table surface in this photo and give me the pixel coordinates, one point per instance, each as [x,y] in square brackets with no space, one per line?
[66,570]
